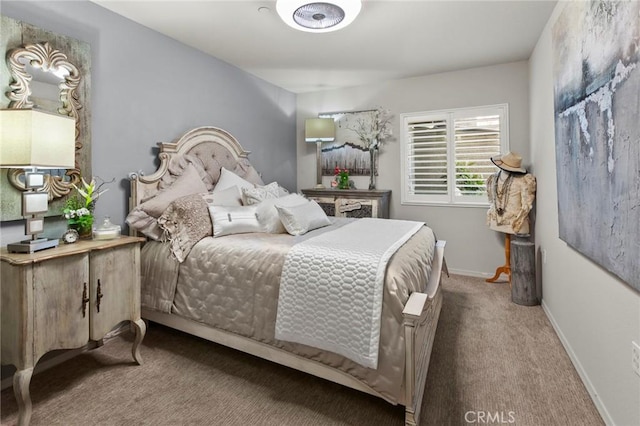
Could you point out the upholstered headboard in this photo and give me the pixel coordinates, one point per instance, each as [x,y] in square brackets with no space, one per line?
[208,148]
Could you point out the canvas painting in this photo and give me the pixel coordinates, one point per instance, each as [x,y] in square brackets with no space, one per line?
[597,127]
[347,151]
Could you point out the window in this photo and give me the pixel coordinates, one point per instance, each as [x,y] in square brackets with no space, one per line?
[446,155]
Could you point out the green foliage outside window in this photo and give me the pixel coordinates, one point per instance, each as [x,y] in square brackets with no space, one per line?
[468,181]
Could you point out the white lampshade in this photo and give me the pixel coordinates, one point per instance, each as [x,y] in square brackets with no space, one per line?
[34,138]
[318,16]
[319,130]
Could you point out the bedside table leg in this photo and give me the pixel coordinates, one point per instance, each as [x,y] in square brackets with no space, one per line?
[141,329]
[21,380]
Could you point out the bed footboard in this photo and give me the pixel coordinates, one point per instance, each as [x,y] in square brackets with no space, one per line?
[420,318]
[421,315]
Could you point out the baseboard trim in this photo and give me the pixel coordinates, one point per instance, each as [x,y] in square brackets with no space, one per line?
[606,417]
[470,273]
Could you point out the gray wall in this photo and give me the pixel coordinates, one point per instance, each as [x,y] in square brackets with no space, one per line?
[147,88]
[472,248]
[595,314]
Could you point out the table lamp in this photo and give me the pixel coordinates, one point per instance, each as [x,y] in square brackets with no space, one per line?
[32,139]
[319,130]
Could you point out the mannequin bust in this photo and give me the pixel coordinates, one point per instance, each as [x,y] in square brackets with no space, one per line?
[511,192]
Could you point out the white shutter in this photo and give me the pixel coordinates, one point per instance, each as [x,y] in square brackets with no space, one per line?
[427,156]
[447,154]
[477,139]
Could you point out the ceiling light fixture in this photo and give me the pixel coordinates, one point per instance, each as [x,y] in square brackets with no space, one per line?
[318,17]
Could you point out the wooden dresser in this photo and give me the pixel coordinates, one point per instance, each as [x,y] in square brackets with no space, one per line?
[352,202]
[62,298]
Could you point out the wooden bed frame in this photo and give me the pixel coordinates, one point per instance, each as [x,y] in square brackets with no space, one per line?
[420,314]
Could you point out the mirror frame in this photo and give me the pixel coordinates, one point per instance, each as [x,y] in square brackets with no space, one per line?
[45,57]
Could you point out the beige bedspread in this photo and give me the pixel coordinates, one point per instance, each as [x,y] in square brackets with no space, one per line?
[232,283]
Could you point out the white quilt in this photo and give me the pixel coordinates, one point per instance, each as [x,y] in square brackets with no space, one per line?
[331,288]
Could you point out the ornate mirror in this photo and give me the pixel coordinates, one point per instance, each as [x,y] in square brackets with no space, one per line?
[51,72]
[45,79]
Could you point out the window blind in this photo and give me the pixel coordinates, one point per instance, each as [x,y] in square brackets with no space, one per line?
[477,139]
[428,157]
[447,154]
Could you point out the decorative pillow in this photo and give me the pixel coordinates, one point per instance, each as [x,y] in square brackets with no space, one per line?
[185,222]
[139,220]
[268,214]
[229,220]
[176,167]
[187,183]
[229,179]
[245,170]
[302,218]
[226,197]
[258,194]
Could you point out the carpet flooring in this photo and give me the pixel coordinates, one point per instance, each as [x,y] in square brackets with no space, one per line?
[493,362]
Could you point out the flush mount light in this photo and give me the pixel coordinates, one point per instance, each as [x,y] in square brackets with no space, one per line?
[318,17]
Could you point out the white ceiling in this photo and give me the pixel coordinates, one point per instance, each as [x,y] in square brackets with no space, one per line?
[390,39]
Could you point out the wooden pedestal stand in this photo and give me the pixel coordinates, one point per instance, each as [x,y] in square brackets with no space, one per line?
[506,268]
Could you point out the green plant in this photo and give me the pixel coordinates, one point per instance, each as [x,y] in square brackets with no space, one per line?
[467,180]
[78,209]
[342,178]
[77,214]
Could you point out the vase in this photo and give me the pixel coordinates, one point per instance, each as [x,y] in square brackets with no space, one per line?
[372,169]
[343,182]
[85,230]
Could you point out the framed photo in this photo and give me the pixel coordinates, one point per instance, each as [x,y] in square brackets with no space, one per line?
[347,151]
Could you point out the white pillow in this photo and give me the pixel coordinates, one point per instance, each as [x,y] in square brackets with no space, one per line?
[229,179]
[283,191]
[229,220]
[268,214]
[258,194]
[226,197]
[302,218]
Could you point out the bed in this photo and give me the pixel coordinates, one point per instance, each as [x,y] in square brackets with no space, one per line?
[231,288]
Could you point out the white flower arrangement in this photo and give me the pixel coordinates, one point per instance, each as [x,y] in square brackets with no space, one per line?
[374,133]
[71,214]
[78,209]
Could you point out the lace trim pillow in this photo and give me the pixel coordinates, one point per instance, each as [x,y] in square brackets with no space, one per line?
[258,194]
[143,218]
[185,222]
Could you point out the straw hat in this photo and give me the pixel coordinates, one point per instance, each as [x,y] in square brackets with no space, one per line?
[510,162]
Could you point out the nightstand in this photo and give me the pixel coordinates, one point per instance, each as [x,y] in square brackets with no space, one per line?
[64,297]
[352,202]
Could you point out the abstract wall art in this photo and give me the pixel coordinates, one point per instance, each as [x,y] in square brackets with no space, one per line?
[596,51]
[347,151]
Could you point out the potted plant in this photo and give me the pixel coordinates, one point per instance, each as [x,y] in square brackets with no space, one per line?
[79,208]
